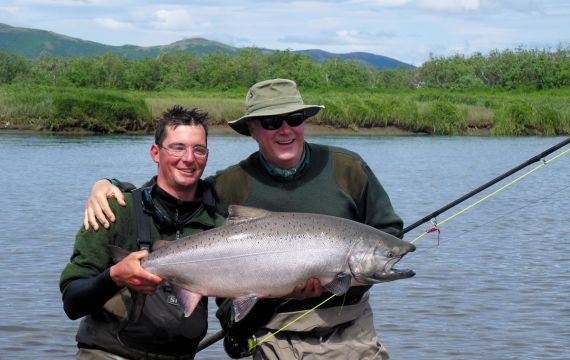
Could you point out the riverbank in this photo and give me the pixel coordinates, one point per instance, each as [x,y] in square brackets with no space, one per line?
[224,130]
[347,111]
[326,130]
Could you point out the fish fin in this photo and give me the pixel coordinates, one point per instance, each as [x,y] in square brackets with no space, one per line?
[187,298]
[160,244]
[243,305]
[239,214]
[118,253]
[340,285]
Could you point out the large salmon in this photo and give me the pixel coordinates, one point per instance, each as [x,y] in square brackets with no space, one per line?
[259,253]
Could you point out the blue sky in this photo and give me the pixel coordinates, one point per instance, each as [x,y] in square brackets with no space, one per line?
[407,30]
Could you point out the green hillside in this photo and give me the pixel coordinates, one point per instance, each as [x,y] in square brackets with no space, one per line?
[31,43]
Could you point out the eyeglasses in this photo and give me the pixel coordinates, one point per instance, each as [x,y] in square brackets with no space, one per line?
[275,122]
[180,150]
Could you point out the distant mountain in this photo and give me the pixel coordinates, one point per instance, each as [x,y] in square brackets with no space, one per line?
[371,60]
[32,43]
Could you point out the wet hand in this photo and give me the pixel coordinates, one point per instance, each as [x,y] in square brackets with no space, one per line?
[129,272]
[312,288]
[97,210]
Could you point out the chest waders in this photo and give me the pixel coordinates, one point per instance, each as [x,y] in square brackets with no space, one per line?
[159,330]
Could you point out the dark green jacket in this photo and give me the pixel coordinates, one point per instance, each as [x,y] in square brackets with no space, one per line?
[104,324]
[336,182]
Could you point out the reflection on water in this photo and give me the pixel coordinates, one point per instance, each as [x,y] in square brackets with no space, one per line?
[496,287]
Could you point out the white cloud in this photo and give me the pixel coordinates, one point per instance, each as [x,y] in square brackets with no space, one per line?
[172,19]
[450,5]
[347,35]
[458,6]
[6,12]
[113,24]
[82,3]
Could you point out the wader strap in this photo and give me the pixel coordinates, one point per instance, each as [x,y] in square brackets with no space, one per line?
[143,222]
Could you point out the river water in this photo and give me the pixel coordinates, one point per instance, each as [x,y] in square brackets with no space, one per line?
[496,286]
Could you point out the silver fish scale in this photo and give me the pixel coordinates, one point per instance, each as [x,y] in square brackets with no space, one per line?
[266,256]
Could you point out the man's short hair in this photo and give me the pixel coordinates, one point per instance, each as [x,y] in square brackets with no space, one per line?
[178,115]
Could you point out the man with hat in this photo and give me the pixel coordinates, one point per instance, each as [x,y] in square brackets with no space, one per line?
[289,174]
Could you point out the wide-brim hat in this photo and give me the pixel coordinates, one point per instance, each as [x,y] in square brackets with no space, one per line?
[272,97]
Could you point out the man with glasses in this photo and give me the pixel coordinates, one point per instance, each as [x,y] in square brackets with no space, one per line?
[173,204]
[288,174]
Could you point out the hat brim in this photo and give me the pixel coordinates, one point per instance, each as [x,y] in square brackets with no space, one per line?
[240,125]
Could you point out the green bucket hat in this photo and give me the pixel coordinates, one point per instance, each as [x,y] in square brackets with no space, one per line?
[272,97]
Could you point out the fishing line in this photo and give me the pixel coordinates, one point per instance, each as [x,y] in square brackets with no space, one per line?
[531,203]
[544,163]
[252,345]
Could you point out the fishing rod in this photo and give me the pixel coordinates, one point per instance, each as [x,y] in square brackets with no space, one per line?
[220,334]
[530,161]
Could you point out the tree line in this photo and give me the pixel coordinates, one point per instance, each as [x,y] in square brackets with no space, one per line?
[507,69]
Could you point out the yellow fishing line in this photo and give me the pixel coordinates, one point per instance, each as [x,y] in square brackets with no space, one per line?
[494,193]
[251,345]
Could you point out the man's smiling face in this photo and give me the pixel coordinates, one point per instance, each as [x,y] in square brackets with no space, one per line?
[179,175]
[282,147]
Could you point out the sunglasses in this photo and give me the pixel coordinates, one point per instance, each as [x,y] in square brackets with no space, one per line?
[275,122]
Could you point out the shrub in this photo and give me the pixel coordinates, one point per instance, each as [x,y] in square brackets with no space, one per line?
[549,121]
[360,114]
[335,113]
[512,119]
[392,111]
[443,118]
[104,113]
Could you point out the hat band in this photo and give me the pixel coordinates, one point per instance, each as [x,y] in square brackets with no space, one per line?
[269,103]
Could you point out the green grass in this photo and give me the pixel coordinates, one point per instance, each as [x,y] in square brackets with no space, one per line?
[60,109]
[436,112]
[221,110]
